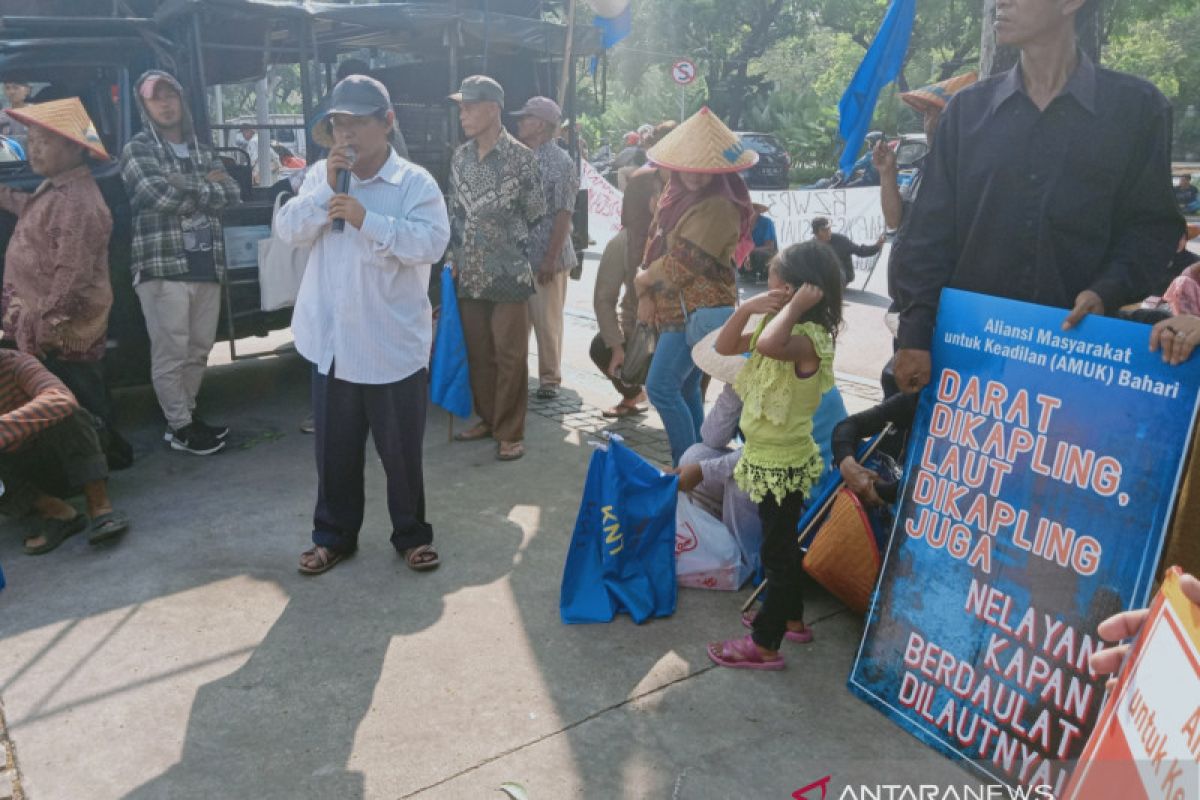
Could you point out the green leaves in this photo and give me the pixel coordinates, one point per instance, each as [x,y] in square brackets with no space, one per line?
[780,66]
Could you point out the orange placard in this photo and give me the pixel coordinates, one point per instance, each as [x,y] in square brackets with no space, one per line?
[1146,743]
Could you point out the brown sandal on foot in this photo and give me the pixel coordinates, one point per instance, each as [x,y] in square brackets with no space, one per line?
[622,410]
[422,558]
[510,451]
[327,559]
[478,433]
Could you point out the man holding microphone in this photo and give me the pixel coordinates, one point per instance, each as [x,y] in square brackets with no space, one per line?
[376,223]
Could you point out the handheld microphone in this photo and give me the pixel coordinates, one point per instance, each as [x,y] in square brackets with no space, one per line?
[342,180]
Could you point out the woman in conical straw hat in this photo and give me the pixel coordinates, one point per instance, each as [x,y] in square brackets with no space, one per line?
[688,286]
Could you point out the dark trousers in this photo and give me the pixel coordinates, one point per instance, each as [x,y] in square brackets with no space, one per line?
[58,461]
[394,415]
[85,379]
[601,355]
[87,382]
[782,565]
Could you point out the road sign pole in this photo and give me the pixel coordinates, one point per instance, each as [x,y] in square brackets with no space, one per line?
[682,109]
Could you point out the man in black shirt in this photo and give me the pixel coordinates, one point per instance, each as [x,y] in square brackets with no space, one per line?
[843,247]
[1049,183]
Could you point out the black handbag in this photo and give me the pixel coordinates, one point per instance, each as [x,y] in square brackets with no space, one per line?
[639,352]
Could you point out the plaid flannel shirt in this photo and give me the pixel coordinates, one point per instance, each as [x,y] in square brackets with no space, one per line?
[161,192]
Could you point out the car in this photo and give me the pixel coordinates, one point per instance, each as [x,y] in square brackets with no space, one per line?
[774,163]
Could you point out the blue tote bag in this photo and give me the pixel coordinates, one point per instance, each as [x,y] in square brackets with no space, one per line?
[449,379]
[622,555]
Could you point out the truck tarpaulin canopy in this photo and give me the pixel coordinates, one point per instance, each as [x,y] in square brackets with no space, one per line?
[420,29]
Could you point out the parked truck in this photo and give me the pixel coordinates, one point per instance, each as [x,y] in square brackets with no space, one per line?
[82,48]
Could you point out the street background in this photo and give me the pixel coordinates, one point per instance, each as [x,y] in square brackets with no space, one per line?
[191,660]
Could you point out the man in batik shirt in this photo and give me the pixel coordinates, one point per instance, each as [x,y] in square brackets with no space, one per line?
[496,198]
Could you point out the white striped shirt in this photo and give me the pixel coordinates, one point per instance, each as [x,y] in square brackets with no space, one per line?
[364,303]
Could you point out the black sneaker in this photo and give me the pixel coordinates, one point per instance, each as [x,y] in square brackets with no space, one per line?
[219,431]
[196,440]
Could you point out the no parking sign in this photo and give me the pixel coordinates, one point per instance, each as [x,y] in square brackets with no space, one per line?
[683,71]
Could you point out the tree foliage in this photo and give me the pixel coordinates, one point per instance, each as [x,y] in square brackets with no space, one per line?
[781,65]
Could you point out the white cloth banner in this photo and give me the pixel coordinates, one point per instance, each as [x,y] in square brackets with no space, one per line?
[855,213]
[604,205]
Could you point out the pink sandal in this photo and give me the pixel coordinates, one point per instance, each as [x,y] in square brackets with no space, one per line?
[799,637]
[742,653]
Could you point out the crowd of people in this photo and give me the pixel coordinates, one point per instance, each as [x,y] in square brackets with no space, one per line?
[998,212]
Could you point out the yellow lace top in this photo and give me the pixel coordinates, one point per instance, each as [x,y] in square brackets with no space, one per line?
[780,455]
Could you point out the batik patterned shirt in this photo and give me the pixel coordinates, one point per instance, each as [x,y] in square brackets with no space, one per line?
[494,203]
[560,183]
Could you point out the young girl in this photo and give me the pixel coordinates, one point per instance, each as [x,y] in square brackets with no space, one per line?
[790,368]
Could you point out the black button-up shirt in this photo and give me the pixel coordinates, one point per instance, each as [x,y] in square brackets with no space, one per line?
[1040,205]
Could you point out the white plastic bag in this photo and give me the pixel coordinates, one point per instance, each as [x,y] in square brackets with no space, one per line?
[280,267]
[706,554]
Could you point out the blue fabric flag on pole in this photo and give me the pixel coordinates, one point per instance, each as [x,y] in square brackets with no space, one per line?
[449,379]
[613,30]
[879,67]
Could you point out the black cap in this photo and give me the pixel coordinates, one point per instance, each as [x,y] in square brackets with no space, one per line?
[356,95]
[479,89]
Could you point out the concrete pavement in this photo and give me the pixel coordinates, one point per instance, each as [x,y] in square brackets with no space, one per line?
[191,660]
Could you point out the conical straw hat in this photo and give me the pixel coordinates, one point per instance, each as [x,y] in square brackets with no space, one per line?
[935,97]
[702,144]
[67,118]
[723,368]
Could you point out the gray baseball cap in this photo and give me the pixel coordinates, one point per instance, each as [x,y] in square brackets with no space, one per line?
[357,95]
[479,89]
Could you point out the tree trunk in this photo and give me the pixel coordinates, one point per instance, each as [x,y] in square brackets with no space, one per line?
[994,58]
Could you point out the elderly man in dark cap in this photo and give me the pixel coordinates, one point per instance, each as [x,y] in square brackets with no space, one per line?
[550,250]
[364,320]
[496,198]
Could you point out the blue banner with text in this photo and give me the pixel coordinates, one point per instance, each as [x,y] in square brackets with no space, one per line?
[1041,472]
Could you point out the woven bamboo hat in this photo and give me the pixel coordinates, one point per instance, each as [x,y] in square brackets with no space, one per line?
[936,96]
[702,144]
[723,368]
[67,118]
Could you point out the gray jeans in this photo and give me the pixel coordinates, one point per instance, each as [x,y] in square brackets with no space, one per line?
[181,318]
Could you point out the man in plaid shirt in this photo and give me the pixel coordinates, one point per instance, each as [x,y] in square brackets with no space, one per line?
[177,188]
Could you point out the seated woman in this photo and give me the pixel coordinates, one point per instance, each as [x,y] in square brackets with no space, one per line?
[49,450]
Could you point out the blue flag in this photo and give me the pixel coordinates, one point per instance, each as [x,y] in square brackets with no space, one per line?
[879,67]
[449,380]
[613,30]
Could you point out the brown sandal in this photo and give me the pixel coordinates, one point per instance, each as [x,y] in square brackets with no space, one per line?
[422,558]
[478,433]
[622,410]
[510,451]
[327,560]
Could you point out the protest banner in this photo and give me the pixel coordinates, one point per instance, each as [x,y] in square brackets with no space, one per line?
[604,205]
[1041,471]
[855,213]
[1146,744]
